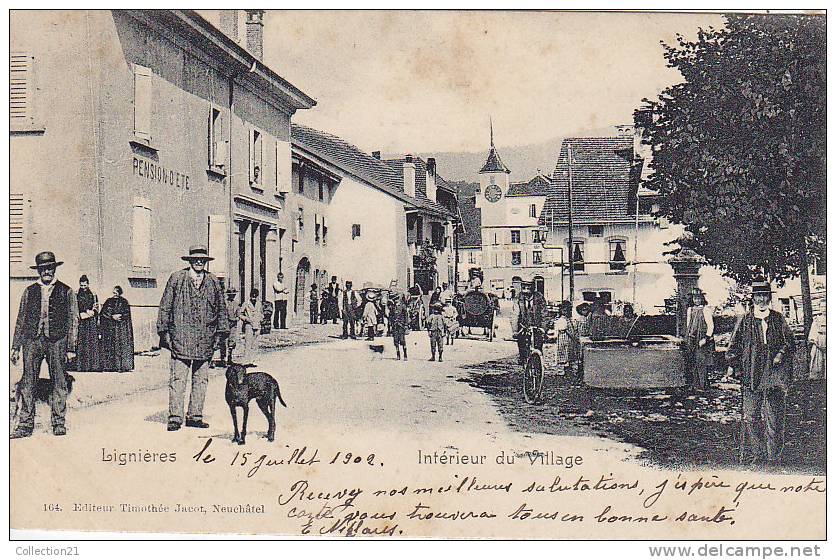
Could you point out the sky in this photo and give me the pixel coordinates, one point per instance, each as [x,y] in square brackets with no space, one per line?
[417,81]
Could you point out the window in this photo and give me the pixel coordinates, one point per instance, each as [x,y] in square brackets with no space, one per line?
[216,140]
[596,231]
[536,236]
[515,236]
[437,231]
[18,210]
[142,102]
[537,257]
[516,258]
[324,232]
[284,168]
[321,188]
[316,229]
[256,158]
[532,211]
[141,236]
[301,219]
[21,91]
[471,257]
[618,260]
[578,256]
[355,231]
[495,240]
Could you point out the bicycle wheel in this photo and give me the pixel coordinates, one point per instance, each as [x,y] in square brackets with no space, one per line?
[533,378]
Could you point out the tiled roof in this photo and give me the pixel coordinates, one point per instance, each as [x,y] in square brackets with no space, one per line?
[494,163]
[396,165]
[603,181]
[538,186]
[348,157]
[382,174]
[471,222]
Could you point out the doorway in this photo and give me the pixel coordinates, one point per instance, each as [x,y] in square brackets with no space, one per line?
[302,271]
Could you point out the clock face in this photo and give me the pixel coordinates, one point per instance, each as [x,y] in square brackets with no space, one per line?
[493,193]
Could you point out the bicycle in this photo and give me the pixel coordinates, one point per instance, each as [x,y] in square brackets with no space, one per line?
[532,378]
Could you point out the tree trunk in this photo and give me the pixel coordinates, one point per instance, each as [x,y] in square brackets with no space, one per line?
[806,301]
[806,296]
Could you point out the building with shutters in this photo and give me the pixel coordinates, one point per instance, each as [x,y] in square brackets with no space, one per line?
[618,248]
[363,219]
[511,243]
[134,134]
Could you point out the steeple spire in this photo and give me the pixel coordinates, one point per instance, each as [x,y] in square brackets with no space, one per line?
[493,164]
[490,119]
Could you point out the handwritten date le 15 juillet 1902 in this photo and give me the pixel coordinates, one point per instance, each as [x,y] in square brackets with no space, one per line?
[296,456]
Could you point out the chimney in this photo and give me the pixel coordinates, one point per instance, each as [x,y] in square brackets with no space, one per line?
[229,24]
[409,176]
[255,33]
[376,155]
[431,183]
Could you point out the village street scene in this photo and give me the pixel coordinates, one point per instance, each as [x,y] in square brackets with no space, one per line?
[193,203]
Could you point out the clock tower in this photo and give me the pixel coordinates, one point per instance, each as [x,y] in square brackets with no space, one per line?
[493,186]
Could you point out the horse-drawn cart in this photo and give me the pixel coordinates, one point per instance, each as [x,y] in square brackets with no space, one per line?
[476,309]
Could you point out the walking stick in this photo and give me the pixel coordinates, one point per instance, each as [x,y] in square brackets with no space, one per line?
[742,424]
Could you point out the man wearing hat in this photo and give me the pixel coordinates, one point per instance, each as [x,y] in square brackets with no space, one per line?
[699,340]
[351,300]
[761,349]
[532,314]
[192,315]
[46,328]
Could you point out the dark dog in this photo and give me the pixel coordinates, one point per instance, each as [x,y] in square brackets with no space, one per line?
[42,393]
[241,388]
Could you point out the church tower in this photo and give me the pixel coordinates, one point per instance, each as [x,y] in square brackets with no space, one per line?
[494,180]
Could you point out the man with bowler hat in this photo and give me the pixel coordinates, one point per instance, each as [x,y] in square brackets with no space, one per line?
[761,349]
[192,316]
[46,328]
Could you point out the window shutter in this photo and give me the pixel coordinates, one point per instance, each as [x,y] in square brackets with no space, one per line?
[284,167]
[17,227]
[210,138]
[252,153]
[218,242]
[142,102]
[21,90]
[141,236]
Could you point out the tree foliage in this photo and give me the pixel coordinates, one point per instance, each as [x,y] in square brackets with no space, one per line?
[739,145]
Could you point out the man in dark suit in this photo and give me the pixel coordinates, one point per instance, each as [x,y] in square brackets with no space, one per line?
[761,349]
[351,300]
[46,328]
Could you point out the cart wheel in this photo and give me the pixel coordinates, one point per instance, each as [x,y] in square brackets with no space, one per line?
[532,378]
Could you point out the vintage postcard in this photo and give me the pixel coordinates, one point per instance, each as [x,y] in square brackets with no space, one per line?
[410,274]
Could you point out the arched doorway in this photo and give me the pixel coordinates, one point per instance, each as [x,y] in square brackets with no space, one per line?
[302,271]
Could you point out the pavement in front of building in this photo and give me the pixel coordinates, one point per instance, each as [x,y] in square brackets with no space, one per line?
[151,369]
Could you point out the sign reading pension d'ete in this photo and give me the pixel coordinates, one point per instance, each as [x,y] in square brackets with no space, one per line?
[155,172]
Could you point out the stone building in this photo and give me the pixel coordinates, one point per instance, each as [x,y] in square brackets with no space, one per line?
[135,134]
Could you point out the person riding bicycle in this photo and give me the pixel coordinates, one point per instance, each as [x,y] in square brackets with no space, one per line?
[532,314]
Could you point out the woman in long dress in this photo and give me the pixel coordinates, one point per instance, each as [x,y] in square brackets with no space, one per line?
[88,357]
[117,333]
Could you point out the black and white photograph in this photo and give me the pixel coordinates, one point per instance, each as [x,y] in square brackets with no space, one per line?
[407,274]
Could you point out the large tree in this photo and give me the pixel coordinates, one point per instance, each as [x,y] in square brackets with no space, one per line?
[739,145]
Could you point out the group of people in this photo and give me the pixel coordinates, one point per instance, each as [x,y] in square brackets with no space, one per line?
[56,324]
[532,324]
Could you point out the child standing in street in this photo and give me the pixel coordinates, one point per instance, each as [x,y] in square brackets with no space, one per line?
[399,324]
[451,321]
[435,326]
